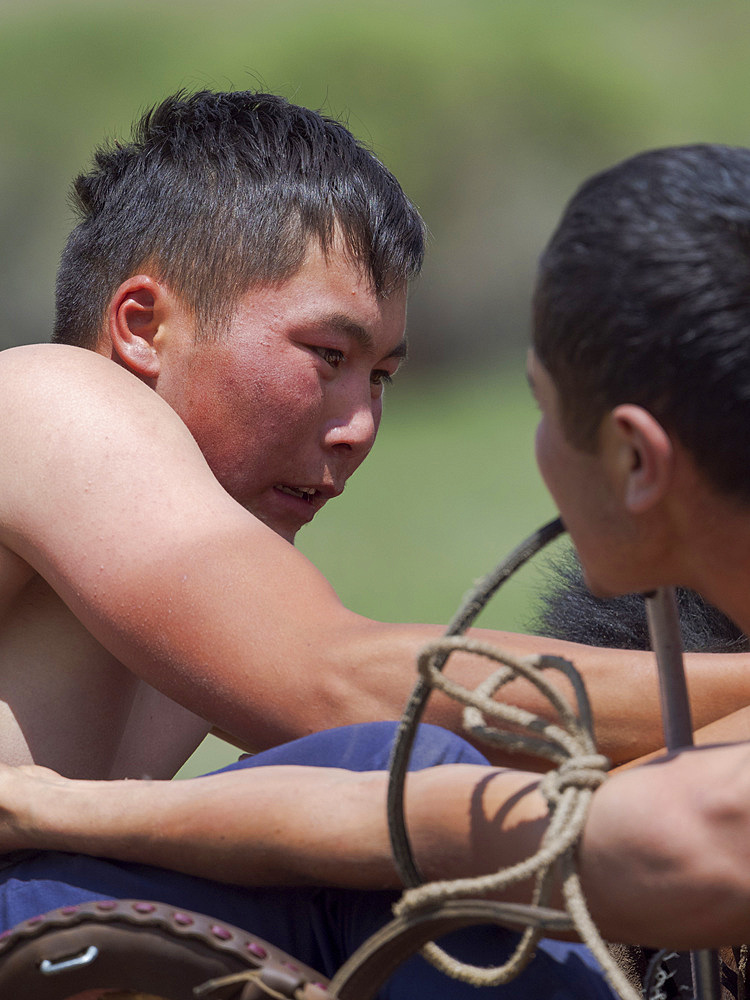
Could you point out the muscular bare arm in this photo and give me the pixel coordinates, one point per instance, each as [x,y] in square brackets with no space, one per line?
[106,495]
[664,858]
[343,841]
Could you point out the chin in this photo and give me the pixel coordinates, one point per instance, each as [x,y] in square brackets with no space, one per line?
[288,534]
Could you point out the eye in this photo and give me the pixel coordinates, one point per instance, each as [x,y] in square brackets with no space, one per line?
[330,355]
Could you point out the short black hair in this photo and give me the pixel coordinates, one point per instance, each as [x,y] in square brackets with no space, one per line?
[643,296]
[217,192]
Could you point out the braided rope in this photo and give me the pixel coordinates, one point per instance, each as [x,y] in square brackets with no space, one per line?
[568,743]
[471,606]
[567,789]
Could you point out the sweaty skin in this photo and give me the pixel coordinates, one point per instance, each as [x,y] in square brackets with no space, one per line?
[665,855]
[149,494]
[648,880]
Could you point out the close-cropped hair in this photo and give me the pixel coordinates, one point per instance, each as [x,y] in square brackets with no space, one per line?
[643,296]
[220,192]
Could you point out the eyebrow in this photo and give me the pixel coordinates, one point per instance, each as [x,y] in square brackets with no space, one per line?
[345,325]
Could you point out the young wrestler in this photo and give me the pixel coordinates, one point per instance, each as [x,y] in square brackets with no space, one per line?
[640,365]
[230,308]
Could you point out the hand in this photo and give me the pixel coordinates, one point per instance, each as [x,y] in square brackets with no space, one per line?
[22,789]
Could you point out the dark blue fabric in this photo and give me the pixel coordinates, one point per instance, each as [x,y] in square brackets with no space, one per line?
[321,927]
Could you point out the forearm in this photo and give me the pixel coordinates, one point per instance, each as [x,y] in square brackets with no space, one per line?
[282,825]
[265,826]
[734,728]
[623,688]
[664,858]
[378,669]
[665,854]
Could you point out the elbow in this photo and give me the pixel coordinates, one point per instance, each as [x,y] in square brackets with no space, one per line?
[665,856]
[720,857]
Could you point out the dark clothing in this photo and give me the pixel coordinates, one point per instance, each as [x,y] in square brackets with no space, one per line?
[320,927]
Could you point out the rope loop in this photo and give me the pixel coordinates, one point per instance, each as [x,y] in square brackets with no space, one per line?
[566,741]
[584,772]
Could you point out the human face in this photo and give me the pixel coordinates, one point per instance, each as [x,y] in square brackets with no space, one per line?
[285,404]
[584,491]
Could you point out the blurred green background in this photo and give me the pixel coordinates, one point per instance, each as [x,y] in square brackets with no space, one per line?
[490,112]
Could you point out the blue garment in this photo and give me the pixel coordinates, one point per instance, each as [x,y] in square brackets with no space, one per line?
[320,927]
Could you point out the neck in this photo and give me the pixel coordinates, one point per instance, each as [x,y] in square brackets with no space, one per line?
[715,557]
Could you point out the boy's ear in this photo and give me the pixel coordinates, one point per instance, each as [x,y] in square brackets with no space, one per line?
[645,456]
[136,312]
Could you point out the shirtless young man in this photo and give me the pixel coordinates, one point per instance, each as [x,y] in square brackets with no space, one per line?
[641,366]
[238,285]
[229,310]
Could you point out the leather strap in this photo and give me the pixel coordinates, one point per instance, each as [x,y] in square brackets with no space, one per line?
[149,948]
[370,966]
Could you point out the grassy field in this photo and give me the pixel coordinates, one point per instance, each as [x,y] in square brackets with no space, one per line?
[450,488]
[489,113]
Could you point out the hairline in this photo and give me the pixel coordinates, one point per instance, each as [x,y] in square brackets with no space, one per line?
[231,307]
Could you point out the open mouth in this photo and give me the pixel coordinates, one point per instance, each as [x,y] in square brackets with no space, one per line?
[307,493]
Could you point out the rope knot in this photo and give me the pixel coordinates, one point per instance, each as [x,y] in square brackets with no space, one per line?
[585,771]
[563,735]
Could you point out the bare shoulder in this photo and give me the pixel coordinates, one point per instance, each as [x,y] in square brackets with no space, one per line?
[21,365]
[105,494]
[47,381]
[87,448]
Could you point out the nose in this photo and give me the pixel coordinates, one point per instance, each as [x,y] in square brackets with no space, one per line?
[354,424]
